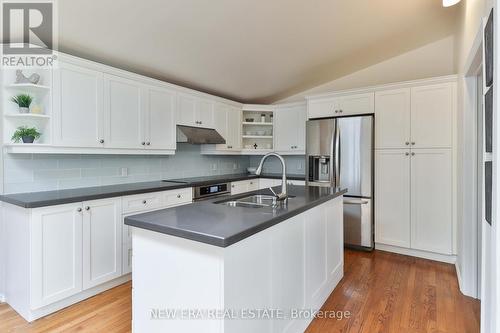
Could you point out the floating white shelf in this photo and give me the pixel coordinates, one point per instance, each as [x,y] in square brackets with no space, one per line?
[27,115]
[257,136]
[28,86]
[257,124]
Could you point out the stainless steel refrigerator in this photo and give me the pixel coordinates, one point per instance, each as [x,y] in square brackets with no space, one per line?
[339,153]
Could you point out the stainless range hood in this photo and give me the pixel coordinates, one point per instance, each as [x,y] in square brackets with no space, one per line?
[198,135]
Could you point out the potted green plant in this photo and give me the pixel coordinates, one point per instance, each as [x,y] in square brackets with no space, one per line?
[26,134]
[23,101]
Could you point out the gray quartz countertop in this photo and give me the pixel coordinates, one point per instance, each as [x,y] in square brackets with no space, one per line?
[51,198]
[221,225]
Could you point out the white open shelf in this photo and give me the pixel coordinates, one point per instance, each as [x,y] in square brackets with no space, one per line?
[28,115]
[257,136]
[28,87]
[257,123]
[42,98]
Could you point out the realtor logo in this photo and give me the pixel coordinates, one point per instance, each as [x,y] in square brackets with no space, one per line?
[27,33]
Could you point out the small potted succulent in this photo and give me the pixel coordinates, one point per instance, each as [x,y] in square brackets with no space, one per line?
[23,101]
[26,134]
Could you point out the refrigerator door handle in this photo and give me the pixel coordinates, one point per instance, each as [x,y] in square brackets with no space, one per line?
[337,153]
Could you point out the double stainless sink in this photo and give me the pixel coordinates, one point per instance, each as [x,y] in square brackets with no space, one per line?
[252,201]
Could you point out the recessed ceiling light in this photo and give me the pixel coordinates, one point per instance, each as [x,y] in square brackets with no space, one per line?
[448,3]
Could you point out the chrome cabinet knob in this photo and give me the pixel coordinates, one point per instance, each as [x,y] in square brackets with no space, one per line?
[407,154]
[87,208]
[148,143]
[340,111]
[336,111]
[101,141]
[412,154]
[79,209]
[178,196]
[143,143]
[144,202]
[407,143]
[413,143]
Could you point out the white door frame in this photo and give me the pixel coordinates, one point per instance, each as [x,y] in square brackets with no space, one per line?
[468,264]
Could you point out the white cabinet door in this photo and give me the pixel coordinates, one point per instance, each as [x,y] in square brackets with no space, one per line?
[431,200]
[123,110]
[220,124]
[392,119]
[322,108]
[204,113]
[78,106]
[290,129]
[432,109]
[233,128]
[244,186]
[160,119]
[186,106]
[356,104]
[392,197]
[56,252]
[102,241]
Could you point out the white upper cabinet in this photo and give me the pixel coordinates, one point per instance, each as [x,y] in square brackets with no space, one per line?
[431,200]
[233,140]
[392,197]
[227,122]
[123,112]
[194,111]
[186,106]
[102,241]
[392,119]
[322,107]
[205,112]
[78,106]
[290,128]
[356,104]
[432,118]
[159,120]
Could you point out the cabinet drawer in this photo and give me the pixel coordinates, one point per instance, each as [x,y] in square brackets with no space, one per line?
[141,202]
[178,197]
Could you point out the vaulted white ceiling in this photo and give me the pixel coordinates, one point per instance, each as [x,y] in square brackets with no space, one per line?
[248,50]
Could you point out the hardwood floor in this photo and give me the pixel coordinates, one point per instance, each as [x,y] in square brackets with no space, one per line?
[384,292]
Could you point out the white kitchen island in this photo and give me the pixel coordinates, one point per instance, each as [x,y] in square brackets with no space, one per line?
[284,267]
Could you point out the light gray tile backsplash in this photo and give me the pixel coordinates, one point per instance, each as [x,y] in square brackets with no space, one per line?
[295,164]
[32,173]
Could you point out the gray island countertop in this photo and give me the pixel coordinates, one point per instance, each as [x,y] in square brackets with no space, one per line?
[59,197]
[220,225]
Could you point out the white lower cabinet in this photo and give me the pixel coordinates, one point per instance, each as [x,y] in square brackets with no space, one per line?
[244,186]
[392,197]
[56,253]
[142,203]
[102,241]
[414,199]
[431,200]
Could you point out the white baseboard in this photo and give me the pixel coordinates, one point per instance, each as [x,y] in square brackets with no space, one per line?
[31,315]
[450,259]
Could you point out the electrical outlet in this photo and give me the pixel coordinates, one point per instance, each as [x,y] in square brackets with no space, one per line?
[300,166]
[235,166]
[214,166]
[124,172]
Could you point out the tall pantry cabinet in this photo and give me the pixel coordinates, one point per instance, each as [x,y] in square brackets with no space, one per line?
[414,137]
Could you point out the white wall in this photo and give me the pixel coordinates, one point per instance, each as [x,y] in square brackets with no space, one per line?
[434,59]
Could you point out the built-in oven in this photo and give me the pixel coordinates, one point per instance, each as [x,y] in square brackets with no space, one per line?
[205,192]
